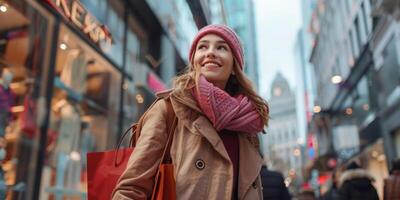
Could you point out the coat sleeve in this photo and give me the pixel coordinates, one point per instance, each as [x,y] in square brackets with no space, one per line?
[138,179]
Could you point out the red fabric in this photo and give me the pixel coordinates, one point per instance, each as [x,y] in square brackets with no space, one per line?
[104,171]
[231,143]
[28,124]
[162,190]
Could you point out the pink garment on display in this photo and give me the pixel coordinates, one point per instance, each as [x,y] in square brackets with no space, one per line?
[227,112]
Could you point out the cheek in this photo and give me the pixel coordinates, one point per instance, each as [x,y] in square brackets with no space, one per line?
[197,58]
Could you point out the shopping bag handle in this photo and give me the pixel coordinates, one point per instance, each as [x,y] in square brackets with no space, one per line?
[120,142]
[136,128]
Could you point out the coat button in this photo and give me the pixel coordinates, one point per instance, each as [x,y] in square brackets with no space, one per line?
[200,164]
[254,185]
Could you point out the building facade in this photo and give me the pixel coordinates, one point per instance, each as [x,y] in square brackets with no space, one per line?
[356,61]
[385,44]
[283,150]
[305,88]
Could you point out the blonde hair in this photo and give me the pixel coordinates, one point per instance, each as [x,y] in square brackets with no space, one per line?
[237,84]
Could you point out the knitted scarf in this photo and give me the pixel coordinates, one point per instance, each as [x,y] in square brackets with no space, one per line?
[227,112]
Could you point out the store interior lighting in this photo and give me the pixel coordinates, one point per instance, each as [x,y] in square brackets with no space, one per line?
[63,46]
[139,98]
[3,7]
[336,79]
[317,109]
[74,155]
[366,107]
[349,111]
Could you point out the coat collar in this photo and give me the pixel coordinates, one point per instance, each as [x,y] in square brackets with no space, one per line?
[190,115]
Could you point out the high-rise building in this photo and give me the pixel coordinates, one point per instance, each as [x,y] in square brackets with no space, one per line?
[240,16]
[305,89]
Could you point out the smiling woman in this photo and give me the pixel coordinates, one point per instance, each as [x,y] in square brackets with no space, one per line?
[215,104]
[214,57]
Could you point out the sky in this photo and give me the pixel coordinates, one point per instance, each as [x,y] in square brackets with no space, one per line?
[277,23]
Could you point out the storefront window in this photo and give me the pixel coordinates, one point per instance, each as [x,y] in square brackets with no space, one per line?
[109,13]
[132,53]
[116,25]
[177,19]
[84,111]
[389,74]
[24,38]
[131,102]
[361,101]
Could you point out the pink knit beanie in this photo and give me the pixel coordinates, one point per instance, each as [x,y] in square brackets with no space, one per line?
[227,34]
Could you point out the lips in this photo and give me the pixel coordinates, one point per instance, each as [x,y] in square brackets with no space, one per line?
[211,64]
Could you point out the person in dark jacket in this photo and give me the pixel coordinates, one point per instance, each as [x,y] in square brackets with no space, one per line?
[356,184]
[273,185]
[391,190]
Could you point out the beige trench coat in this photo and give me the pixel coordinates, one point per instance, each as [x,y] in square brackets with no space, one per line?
[202,166]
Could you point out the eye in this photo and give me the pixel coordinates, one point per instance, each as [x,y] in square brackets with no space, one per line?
[201,46]
[222,47]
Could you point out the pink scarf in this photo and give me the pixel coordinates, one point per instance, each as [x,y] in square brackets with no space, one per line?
[227,112]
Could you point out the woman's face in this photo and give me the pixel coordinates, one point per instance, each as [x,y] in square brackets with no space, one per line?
[215,59]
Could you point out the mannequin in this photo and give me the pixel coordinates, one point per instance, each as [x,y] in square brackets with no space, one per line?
[74,71]
[67,144]
[6,99]
[87,142]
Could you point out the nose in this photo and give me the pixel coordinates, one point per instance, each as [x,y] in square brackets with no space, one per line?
[210,53]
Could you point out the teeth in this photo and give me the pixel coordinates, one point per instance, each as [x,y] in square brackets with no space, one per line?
[212,63]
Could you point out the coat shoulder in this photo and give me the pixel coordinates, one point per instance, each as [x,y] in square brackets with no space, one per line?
[164,93]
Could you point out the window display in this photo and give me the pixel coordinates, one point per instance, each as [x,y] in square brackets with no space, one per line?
[22,37]
[84,105]
[84,109]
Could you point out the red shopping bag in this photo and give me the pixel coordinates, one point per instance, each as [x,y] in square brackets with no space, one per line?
[165,183]
[104,170]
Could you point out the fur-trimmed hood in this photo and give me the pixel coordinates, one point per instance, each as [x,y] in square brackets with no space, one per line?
[353,174]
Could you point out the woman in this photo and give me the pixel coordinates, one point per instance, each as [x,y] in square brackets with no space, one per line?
[215,146]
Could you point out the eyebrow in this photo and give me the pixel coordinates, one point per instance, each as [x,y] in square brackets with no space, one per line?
[218,41]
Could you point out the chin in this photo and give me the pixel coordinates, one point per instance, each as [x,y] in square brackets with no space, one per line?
[210,76]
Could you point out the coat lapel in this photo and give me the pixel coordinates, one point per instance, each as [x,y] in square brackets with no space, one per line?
[205,128]
[188,113]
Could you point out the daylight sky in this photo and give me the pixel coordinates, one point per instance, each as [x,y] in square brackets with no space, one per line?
[277,24]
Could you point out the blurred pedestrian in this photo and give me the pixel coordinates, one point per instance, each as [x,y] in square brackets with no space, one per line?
[356,184]
[391,190]
[333,192]
[215,146]
[306,194]
[273,184]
